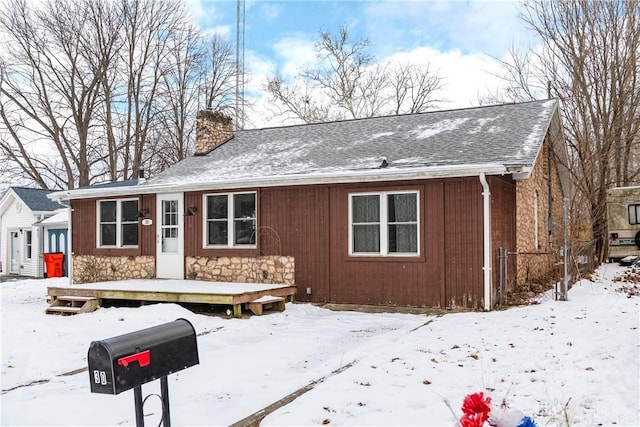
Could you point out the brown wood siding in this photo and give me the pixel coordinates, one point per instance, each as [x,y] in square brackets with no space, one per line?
[409,281]
[503,225]
[463,250]
[148,232]
[193,242]
[84,229]
[83,226]
[434,222]
[295,222]
[312,225]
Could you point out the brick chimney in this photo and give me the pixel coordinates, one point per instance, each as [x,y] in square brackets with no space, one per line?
[212,128]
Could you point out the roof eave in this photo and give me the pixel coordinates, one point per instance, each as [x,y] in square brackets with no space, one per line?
[377,175]
[521,173]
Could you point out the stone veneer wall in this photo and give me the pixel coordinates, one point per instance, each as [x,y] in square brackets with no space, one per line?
[260,269]
[537,263]
[212,128]
[96,268]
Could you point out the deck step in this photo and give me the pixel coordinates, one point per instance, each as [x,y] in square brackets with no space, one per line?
[74,298]
[68,304]
[63,309]
[275,303]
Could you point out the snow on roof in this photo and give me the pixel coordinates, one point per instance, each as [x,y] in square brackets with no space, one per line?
[61,217]
[505,134]
[490,139]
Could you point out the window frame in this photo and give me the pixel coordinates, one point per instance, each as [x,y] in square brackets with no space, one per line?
[230,221]
[636,207]
[383,223]
[28,244]
[118,222]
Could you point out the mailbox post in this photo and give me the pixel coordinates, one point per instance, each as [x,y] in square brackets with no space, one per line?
[127,361]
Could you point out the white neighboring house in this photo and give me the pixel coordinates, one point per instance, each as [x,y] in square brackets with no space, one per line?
[21,234]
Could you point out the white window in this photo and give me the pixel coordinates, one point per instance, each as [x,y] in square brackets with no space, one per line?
[634,214]
[384,224]
[230,220]
[118,223]
[28,244]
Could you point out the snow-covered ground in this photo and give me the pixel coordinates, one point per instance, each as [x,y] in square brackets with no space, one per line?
[574,362]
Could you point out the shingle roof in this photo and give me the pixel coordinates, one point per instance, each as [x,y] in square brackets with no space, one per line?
[115,184]
[36,199]
[492,140]
[507,135]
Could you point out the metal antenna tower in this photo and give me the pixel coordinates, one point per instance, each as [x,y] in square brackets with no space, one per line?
[240,66]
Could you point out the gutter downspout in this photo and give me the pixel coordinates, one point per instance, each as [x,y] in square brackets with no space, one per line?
[40,267]
[69,248]
[486,214]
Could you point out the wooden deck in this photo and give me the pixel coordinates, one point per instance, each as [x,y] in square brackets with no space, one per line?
[177,291]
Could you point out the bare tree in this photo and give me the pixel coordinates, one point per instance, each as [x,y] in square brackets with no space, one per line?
[95,90]
[200,74]
[177,105]
[298,100]
[342,71]
[348,83]
[104,51]
[413,88]
[149,27]
[49,91]
[589,60]
[218,73]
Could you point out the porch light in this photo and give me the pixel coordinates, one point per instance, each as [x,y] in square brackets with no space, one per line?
[191,210]
[142,213]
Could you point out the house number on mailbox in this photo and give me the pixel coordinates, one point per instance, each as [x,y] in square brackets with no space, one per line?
[100,377]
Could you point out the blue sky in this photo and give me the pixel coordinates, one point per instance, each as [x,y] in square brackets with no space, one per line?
[458,38]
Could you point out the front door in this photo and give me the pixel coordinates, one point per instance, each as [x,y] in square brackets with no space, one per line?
[58,243]
[14,264]
[169,237]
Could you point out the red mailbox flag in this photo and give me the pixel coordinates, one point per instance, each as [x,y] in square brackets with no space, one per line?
[143,359]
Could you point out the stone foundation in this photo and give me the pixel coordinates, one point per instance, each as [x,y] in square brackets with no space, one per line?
[93,268]
[262,269]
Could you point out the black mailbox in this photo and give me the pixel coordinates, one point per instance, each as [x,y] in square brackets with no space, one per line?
[121,363]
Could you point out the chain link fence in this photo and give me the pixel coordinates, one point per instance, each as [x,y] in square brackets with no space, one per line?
[530,277]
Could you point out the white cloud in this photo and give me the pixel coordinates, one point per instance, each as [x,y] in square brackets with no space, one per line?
[258,70]
[259,111]
[195,8]
[456,38]
[225,31]
[471,26]
[269,11]
[465,77]
[211,16]
[294,54]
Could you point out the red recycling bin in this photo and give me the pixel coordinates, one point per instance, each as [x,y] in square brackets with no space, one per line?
[53,264]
